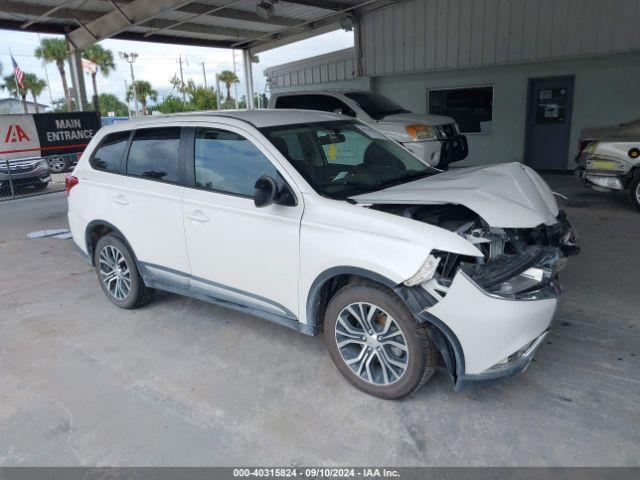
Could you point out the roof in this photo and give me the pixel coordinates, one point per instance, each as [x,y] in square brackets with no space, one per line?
[17,100]
[258,118]
[245,24]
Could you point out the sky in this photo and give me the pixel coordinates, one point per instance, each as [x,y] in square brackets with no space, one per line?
[157,63]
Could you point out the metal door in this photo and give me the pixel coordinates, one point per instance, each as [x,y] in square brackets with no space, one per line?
[549,123]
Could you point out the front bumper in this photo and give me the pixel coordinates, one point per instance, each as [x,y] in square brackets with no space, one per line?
[502,372]
[491,330]
[601,181]
[440,153]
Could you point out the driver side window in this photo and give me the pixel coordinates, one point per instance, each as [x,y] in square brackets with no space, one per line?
[229,163]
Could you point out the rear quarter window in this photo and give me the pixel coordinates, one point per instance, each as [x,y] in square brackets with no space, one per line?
[108,156]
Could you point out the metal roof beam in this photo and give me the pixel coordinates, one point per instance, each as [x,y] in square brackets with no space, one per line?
[319,4]
[234,14]
[114,22]
[83,17]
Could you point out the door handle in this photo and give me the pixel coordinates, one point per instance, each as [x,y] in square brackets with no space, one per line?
[198,216]
[120,200]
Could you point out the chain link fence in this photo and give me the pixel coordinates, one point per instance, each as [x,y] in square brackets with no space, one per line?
[28,176]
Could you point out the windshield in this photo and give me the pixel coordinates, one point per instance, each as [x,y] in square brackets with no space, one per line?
[345,158]
[375,105]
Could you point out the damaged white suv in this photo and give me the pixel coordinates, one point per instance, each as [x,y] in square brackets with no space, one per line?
[317,222]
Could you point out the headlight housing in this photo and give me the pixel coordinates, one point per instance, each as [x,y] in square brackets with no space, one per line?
[419,131]
[426,271]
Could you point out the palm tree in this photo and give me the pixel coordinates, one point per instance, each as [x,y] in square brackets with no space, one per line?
[35,86]
[103,60]
[228,78]
[12,87]
[144,91]
[55,50]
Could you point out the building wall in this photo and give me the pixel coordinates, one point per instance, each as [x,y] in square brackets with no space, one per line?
[607,91]
[429,35]
[13,106]
[334,67]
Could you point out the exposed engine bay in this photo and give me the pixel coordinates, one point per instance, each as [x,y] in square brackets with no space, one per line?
[516,263]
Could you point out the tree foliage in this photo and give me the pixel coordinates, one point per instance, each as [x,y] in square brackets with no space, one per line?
[111,103]
[54,50]
[144,92]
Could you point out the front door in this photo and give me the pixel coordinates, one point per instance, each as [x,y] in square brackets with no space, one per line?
[549,123]
[238,252]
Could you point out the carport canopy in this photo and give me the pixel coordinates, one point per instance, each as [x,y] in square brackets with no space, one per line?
[252,26]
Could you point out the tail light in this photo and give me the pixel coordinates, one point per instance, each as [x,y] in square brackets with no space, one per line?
[69,183]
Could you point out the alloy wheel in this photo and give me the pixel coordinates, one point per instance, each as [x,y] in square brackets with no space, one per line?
[57,165]
[371,343]
[638,193]
[114,272]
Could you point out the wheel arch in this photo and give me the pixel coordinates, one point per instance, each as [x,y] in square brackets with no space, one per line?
[97,229]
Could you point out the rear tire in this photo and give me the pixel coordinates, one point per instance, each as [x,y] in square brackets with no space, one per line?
[375,342]
[118,274]
[634,191]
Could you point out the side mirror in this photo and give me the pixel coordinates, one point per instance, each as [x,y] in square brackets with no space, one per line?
[266,191]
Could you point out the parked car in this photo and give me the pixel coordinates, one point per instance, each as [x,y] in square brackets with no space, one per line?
[609,159]
[24,172]
[394,261]
[433,138]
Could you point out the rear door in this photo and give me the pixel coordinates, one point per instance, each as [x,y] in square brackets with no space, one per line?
[146,202]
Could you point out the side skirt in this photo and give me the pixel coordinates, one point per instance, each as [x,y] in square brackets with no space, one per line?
[182,285]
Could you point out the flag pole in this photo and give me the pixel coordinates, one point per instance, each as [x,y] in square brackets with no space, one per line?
[15,79]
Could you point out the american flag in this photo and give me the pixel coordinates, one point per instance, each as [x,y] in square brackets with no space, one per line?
[17,73]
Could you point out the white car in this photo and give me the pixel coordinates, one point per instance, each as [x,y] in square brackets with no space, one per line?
[435,139]
[609,159]
[261,211]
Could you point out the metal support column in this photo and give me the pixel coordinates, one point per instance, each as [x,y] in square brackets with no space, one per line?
[77,78]
[248,76]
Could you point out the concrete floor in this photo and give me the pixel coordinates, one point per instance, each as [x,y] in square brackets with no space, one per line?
[182,382]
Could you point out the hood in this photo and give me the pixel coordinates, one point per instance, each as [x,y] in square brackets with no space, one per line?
[409,118]
[630,130]
[509,195]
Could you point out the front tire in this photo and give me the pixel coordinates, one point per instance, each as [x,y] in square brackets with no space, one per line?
[118,274]
[375,342]
[58,164]
[634,191]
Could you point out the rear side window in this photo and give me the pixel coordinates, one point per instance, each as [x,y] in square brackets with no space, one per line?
[108,155]
[154,154]
[229,163]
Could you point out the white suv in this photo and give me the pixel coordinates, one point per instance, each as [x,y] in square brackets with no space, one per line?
[317,222]
[435,139]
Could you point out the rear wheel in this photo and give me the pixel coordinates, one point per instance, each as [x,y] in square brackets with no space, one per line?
[375,342]
[118,274]
[634,191]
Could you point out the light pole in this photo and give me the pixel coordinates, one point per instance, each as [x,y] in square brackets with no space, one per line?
[130,58]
